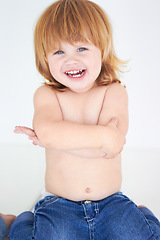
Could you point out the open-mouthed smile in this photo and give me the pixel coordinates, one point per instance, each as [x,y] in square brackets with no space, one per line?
[75,73]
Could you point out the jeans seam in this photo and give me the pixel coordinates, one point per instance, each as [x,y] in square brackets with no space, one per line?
[43,205]
[88,221]
[147,222]
[91,220]
[96,208]
[46,203]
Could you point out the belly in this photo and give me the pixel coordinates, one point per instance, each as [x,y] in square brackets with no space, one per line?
[78,178]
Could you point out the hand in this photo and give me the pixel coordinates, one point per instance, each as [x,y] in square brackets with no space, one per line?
[117,137]
[30,133]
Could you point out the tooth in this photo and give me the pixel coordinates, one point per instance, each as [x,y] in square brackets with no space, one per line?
[75,73]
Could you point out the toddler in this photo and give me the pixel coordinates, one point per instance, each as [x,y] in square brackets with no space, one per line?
[81,119]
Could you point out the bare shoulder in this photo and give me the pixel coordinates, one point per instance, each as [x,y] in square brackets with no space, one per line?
[115,91]
[46,108]
[46,103]
[44,95]
[116,99]
[115,106]
[43,91]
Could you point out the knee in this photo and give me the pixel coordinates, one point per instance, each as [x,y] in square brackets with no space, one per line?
[21,225]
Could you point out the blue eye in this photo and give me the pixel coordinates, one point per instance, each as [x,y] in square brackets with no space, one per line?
[82,49]
[58,52]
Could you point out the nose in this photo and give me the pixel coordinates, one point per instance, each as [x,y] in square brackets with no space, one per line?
[71,59]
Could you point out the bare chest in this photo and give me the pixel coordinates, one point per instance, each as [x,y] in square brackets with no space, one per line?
[82,108]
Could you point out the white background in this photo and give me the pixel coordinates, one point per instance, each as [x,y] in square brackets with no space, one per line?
[136,33]
[136,37]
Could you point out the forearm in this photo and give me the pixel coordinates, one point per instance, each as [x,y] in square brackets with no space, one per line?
[69,136]
[91,153]
[64,135]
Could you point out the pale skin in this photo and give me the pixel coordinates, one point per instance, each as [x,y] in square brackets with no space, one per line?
[85,172]
[83,129]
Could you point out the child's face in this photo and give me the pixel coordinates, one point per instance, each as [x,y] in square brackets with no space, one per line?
[76,66]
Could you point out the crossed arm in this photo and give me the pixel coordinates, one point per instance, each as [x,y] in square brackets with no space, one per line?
[106,138]
[87,152]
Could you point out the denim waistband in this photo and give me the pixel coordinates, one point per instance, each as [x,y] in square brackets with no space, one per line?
[47,194]
[97,201]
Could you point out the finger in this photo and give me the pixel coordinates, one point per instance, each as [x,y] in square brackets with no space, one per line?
[24,130]
[34,143]
[33,138]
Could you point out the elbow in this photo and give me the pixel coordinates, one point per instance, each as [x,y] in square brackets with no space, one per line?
[45,141]
[115,146]
[44,136]
[119,144]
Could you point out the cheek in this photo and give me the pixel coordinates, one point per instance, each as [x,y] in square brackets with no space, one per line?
[97,65]
[54,68]
[97,58]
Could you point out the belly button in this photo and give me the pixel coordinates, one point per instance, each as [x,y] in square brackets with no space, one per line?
[88,190]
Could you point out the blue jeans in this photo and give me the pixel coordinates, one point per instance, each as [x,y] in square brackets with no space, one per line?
[3,229]
[113,218]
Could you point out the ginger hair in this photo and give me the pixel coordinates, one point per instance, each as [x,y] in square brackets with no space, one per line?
[72,21]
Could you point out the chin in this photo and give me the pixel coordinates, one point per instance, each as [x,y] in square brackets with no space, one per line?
[81,89]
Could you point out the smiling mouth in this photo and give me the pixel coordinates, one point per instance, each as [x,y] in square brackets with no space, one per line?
[75,73]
